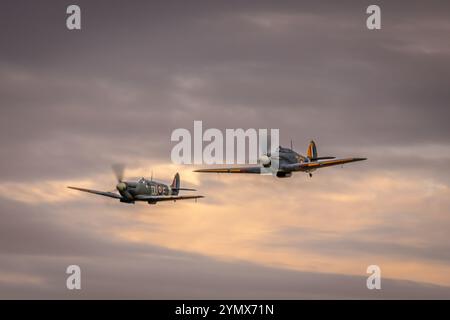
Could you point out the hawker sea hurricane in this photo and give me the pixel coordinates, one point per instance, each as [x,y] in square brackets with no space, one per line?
[143,190]
[284,161]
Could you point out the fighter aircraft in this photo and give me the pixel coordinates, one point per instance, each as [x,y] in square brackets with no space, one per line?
[284,161]
[143,189]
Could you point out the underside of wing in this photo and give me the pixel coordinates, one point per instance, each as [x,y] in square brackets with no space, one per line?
[164,198]
[323,164]
[256,170]
[101,193]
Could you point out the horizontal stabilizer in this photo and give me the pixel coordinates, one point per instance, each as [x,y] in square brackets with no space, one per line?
[183,189]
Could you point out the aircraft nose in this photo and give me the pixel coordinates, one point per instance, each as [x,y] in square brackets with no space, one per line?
[121,186]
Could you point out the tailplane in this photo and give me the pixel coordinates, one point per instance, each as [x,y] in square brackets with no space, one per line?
[312,153]
[175,186]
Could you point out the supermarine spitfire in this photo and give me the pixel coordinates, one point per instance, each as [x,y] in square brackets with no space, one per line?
[143,190]
[284,161]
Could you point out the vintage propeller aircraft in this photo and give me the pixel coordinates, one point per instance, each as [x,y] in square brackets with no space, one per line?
[284,161]
[143,189]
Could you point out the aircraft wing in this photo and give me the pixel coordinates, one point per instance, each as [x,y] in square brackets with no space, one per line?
[101,193]
[322,164]
[256,170]
[164,198]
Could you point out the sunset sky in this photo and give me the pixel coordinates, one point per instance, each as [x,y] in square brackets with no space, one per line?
[72,103]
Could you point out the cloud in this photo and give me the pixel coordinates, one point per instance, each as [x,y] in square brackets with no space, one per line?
[40,247]
[73,103]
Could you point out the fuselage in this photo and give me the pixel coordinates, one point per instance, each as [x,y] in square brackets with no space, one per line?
[286,158]
[143,187]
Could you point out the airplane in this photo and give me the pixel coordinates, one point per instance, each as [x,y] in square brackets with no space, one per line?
[284,161]
[143,189]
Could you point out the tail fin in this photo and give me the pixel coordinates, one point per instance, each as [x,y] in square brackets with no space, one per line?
[312,153]
[175,186]
[312,150]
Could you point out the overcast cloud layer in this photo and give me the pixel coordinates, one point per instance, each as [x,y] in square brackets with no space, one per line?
[74,102]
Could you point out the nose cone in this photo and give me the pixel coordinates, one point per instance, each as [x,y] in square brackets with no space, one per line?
[121,186]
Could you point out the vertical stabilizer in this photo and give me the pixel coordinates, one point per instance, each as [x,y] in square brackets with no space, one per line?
[175,184]
[312,150]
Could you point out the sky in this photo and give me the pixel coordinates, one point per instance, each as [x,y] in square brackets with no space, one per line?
[72,103]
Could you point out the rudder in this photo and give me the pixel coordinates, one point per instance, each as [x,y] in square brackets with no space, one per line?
[312,150]
[175,184]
